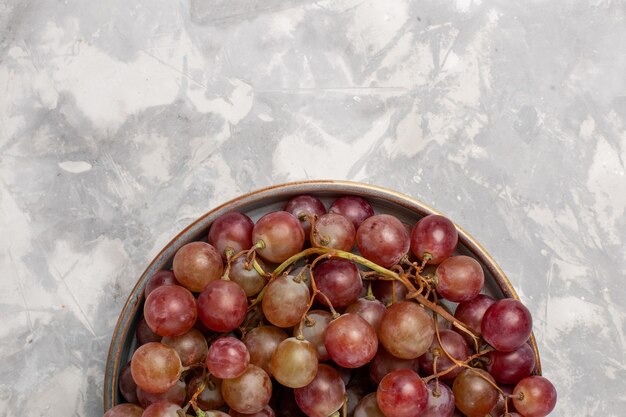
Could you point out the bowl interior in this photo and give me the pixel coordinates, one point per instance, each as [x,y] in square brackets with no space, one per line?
[256,204]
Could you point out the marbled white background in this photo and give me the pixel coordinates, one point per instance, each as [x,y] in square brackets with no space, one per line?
[121,122]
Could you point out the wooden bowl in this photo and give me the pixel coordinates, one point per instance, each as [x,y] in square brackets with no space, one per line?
[256,204]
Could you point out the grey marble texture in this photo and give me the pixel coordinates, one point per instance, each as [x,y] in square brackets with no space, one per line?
[121,122]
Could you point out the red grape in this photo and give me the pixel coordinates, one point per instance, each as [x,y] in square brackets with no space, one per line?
[174,395]
[371,310]
[249,279]
[473,395]
[265,412]
[402,393]
[303,207]
[313,330]
[440,401]
[162,277]
[334,231]
[454,344]
[511,367]
[210,398]
[170,310]
[506,325]
[354,393]
[294,362]
[356,209]
[324,395]
[350,341]
[382,239]
[459,278]
[384,363]
[386,291]
[155,367]
[222,306]
[499,408]
[250,392]
[339,280]
[196,264]
[228,358]
[127,385]
[144,334]
[434,235]
[231,232]
[471,314]
[191,347]
[368,407]
[261,343]
[161,409]
[280,235]
[124,410]
[534,396]
[285,301]
[406,330]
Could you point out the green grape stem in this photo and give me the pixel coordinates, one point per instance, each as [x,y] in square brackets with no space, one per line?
[414,293]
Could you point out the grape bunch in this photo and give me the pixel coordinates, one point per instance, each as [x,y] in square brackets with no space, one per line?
[319,313]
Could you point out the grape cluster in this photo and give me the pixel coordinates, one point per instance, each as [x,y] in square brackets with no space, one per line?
[319,313]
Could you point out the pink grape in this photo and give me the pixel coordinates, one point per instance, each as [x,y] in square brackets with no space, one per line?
[250,392]
[334,231]
[534,396]
[191,347]
[322,396]
[511,367]
[249,279]
[402,393]
[227,358]
[351,341]
[231,231]
[386,291]
[144,334]
[175,395]
[314,330]
[473,394]
[285,301]
[459,278]
[265,412]
[454,344]
[196,264]
[471,314]
[406,330]
[371,310]
[280,235]
[303,207]
[384,363]
[440,401]
[127,385]
[210,398]
[434,235]
[382,239]
[159,278]
[368,407]
[261,343]
[355,208]
[222,306]
[161,409]
[155,367]
[506,325]
[294,362]
[170,310]
[339,280]
[124,410]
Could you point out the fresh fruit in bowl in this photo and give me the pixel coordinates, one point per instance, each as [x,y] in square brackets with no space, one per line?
[272,305]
